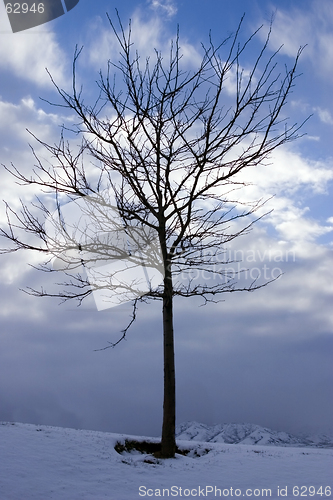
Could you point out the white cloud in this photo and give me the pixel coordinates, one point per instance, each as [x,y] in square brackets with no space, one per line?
[167,7]
[299,231]
[15,118]
[28,53]
[312,27]
[324,115]
[287,176]
[14,146]
[302,294]
[290,179]
[290,172]
[148,34]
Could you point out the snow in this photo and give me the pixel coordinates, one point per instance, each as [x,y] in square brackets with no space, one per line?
[50,463]
[248,434]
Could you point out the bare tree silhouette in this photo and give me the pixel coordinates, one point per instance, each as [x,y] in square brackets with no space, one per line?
[167,148]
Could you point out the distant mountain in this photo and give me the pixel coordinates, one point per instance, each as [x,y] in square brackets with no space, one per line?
[248,434]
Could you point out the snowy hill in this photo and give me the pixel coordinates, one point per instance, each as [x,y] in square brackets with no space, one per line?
[247,434]
[50,463]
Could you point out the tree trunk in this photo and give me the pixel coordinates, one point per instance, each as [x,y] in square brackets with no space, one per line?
[168,443]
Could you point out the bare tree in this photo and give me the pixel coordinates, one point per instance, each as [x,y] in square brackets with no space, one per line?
[155,180]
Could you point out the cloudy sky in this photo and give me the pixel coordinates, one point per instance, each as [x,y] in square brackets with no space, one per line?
[264,357]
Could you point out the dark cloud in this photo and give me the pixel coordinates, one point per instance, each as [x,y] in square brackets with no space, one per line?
[263,367]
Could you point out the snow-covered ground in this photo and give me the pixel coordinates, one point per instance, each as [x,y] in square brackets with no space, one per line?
[51,463]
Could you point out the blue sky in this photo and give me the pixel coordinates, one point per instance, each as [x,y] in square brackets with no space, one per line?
[263,357]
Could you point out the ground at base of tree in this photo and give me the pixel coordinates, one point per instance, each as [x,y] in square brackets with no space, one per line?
[42,462]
